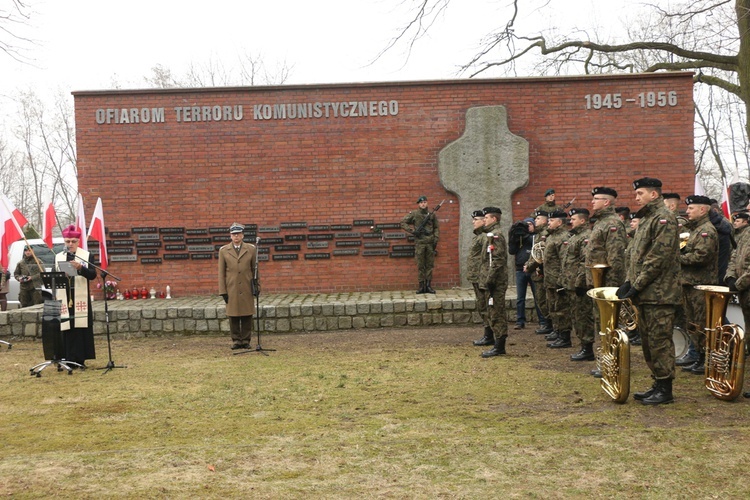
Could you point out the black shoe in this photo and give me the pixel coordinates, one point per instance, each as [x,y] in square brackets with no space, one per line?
[519,326]
[662,393]
[640,396]
[698,368]
[685,360]
[563,341]
[554,335]
[585,354]
[421,287]
[543,330]
[634,338]
[689,368]
[746,395]
[428,287]
[596,373]
[236,346]
[498,349]
[488,339]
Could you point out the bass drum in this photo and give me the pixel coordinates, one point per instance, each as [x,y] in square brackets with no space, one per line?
[681,342]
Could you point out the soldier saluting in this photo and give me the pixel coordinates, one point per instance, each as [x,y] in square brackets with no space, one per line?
[423,224]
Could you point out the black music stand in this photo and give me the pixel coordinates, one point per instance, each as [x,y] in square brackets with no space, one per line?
[110,364]
[256,292]
[52,342]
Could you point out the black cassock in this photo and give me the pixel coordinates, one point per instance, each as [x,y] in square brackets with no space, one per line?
[78,343]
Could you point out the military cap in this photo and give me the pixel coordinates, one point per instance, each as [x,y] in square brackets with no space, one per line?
[236,227]
[579,211]
[604,190]
[421,199]
[646,182]
[549,192]
[558,214]
[742,215]
[671,196]
[633,215]
[541,213]
[622,210]
[698,199]
[492,210]
[477,213]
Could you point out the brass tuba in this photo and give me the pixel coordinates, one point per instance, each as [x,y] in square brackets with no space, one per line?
[628,312]
[725,346]
[614,360]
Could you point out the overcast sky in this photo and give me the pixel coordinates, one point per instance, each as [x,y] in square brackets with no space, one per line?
[88,44]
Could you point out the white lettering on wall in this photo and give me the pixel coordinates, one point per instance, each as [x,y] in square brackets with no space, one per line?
[129,115]
[343,109]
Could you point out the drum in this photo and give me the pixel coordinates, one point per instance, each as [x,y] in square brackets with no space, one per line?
[681,342]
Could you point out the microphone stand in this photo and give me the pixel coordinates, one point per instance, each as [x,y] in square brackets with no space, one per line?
[102,276]
[256,292]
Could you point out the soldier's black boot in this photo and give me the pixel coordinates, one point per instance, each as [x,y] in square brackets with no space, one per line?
[544,329]
[699,367]
[662,393]
[562,342]
[586,353]
[634,338]
[488,339]
[498,349]
[553,335]
[427,287]
[421,287]
[640,396]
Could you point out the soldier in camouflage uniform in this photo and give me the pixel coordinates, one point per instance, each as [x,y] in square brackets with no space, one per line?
[608,239]
[653,284]
[738,272]
[699,266]
[473,264]
[29,275]
[425,243]
[493,277]
[537,273]
[574,277]
[557,299]
[549,204]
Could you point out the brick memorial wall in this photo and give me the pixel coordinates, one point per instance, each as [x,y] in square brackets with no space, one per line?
[324,173]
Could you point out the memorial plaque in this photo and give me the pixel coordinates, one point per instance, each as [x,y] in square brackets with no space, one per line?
[123,258]
[119,234]
[263,250]
[293,225]
[341,227]
[373,235]
[319,228]
[403,248]
[176,256]
[317,244]
[218,230]
[251,227]
[201,256]
[217,247]
[148,251]
[197,240]
[317,256]
[148,237]
[171,230]
[119,250]
[349,251]
[195,231]
[124,243]
[395,255]
[151,260]
[144,230]
[373,253]
[146,244]
[223,238]
[271,241]
[262,258]
[349,243]
[200,248]
[374,244]
[177,237]
[364,222]
[268,229]
[287,248]
[315,237]
[286,256]
[389,225]
[174,247]
[395,236]
[348,235]
[295,237]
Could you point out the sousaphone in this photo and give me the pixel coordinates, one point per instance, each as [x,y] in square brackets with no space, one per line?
[614,358]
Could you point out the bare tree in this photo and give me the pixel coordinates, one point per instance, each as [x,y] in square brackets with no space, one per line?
[710,37]
[13,18]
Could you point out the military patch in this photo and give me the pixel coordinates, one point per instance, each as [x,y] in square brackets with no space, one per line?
[705,235]
[565,242]
[662,221]
[586,242]
[613,229]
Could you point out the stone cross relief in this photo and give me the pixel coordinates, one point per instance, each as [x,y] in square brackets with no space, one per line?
[484,167]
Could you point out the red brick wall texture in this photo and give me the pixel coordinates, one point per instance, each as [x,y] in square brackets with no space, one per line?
[200,159]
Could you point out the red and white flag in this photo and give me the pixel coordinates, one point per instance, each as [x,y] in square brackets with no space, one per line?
[96,232]
[698,188]
[10,230]
[725,198]
[81,224]
[50,221]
